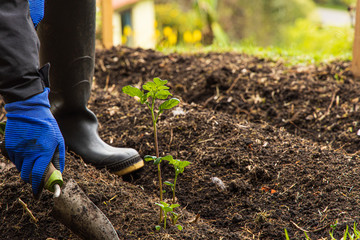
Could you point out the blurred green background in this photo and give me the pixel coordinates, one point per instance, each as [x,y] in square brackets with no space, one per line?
[291,29]
[270,27]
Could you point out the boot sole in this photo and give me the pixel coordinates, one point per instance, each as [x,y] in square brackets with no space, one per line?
[130,169]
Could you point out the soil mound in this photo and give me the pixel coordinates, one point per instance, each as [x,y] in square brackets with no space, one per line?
[271,147]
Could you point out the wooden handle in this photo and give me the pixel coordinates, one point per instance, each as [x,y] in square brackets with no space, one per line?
[355,67]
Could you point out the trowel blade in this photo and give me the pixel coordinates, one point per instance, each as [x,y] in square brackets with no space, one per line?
[76,211]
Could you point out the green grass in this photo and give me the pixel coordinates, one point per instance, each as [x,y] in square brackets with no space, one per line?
[351,234]
[304,42]
[287,55]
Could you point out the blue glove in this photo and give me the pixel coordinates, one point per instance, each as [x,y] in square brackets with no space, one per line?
[33,139]
[36,11]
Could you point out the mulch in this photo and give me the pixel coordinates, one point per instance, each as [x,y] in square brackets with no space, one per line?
[271,147]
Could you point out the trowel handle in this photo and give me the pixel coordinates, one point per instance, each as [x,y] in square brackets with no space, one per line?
[53,180]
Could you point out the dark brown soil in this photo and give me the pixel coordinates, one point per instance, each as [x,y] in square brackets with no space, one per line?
[282,141]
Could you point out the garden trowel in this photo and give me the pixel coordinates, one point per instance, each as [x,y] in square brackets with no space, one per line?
[76,211]
[72,207]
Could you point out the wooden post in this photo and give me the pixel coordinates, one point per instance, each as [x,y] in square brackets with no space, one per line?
[356,47]
[107,25]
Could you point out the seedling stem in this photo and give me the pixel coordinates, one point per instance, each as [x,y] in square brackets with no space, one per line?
[154,119]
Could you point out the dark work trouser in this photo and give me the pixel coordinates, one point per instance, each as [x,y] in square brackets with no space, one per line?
[20,77]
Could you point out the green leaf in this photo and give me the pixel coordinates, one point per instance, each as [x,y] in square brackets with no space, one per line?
[133,91]
[144,98]
[286,234]
[174,206]
[179,227]
[168,104]
[162,94]
[168,183]
[160,205]
[148,158]
[167,209]
[174,162]
[167,158]
[183,164]
[157,227]
[163,88]
[149,86]
[179,165]
[160,82]
[157,161]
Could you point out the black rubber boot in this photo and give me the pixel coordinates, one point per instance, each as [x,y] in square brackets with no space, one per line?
[67,37]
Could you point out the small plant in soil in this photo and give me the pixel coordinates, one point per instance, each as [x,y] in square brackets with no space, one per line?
[354,235]
[153,91]
[167,208]
[179,167]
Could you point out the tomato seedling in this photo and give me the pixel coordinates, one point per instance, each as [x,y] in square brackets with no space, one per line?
[167,208]
[179,167]
[152,91]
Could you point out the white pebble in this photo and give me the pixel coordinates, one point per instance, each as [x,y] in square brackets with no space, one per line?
[218,182]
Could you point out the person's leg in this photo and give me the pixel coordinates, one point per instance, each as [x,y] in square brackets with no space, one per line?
[67,36]
[20,77]
[32,137]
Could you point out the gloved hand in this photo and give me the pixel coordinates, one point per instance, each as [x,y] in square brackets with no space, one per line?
[33,139]
[36,11]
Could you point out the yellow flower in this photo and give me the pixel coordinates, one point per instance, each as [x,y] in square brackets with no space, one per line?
[188,38]
[127,30]
[173,13]
[167,31]
[155,24]
[197,35]
[157,33]
[172,39]
[123,39]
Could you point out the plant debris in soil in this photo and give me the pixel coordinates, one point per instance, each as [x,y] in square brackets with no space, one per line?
[271,147]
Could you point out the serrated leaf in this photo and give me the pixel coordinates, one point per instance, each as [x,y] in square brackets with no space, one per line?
[133,91]
[162,94]
[160,82]
[149,86]
[168,104]
[148,158]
